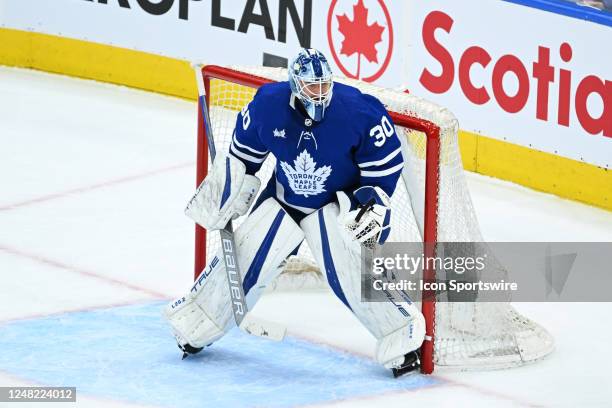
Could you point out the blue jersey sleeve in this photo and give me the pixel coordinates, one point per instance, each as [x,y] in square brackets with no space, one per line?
[246,144]
[379,154]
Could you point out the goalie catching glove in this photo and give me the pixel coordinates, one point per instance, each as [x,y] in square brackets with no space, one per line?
[226,193]
[369,223]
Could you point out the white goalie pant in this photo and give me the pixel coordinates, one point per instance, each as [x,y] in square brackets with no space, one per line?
[263,242]
[397,331]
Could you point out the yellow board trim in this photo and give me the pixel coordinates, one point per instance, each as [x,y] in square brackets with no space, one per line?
[537,170]
[101,62]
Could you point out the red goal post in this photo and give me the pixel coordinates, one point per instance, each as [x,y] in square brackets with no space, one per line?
[431,204]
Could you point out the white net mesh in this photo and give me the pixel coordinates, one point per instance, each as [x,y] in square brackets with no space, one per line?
[467,335]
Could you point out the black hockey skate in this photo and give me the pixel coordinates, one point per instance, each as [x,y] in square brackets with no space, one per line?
[189,350]
[412,362]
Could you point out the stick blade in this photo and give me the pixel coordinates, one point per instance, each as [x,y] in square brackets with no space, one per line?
[263,328]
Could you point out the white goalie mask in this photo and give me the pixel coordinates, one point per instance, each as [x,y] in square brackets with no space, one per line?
[311,82]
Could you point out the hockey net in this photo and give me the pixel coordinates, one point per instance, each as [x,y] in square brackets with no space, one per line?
[431,204]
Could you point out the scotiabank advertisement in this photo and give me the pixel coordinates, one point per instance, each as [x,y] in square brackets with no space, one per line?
[518,74]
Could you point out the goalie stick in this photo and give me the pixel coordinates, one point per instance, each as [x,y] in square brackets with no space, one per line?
[246,322]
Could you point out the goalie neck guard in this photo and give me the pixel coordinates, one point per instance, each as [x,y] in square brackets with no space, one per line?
[311,82]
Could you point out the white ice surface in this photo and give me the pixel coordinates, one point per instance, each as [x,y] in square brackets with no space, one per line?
[94,179]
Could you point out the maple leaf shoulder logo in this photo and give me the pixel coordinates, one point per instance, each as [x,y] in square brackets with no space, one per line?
[304,177]
[369,31]
[279,133]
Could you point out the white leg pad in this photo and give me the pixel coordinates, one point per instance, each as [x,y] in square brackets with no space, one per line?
[263,242]
[400,327]
[390,349]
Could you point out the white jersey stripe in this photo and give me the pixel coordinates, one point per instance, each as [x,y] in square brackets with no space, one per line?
[382,173]
[246,147]
[245,156]
[381,161]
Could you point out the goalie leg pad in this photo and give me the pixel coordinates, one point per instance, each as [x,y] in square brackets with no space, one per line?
[263,242]
[398,326]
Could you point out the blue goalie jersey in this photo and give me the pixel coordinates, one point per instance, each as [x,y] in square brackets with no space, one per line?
[354,145]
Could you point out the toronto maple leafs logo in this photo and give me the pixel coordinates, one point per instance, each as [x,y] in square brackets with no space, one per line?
[357,33]
[279,133]
[305,178]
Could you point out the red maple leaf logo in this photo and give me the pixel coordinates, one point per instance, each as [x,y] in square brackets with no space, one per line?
[359,37]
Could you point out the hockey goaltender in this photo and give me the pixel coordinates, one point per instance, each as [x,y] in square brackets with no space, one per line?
[338,160]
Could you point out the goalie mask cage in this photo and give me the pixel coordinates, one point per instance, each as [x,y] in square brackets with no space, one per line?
[431,204]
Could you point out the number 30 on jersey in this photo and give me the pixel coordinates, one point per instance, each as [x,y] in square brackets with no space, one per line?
[382,132]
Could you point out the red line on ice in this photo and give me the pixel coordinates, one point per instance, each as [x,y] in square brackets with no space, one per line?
[444,381]
[31,383]
[84,189]
[59,312]
[80,271]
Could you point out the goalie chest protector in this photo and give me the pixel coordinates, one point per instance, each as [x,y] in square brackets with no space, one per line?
[355,144]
